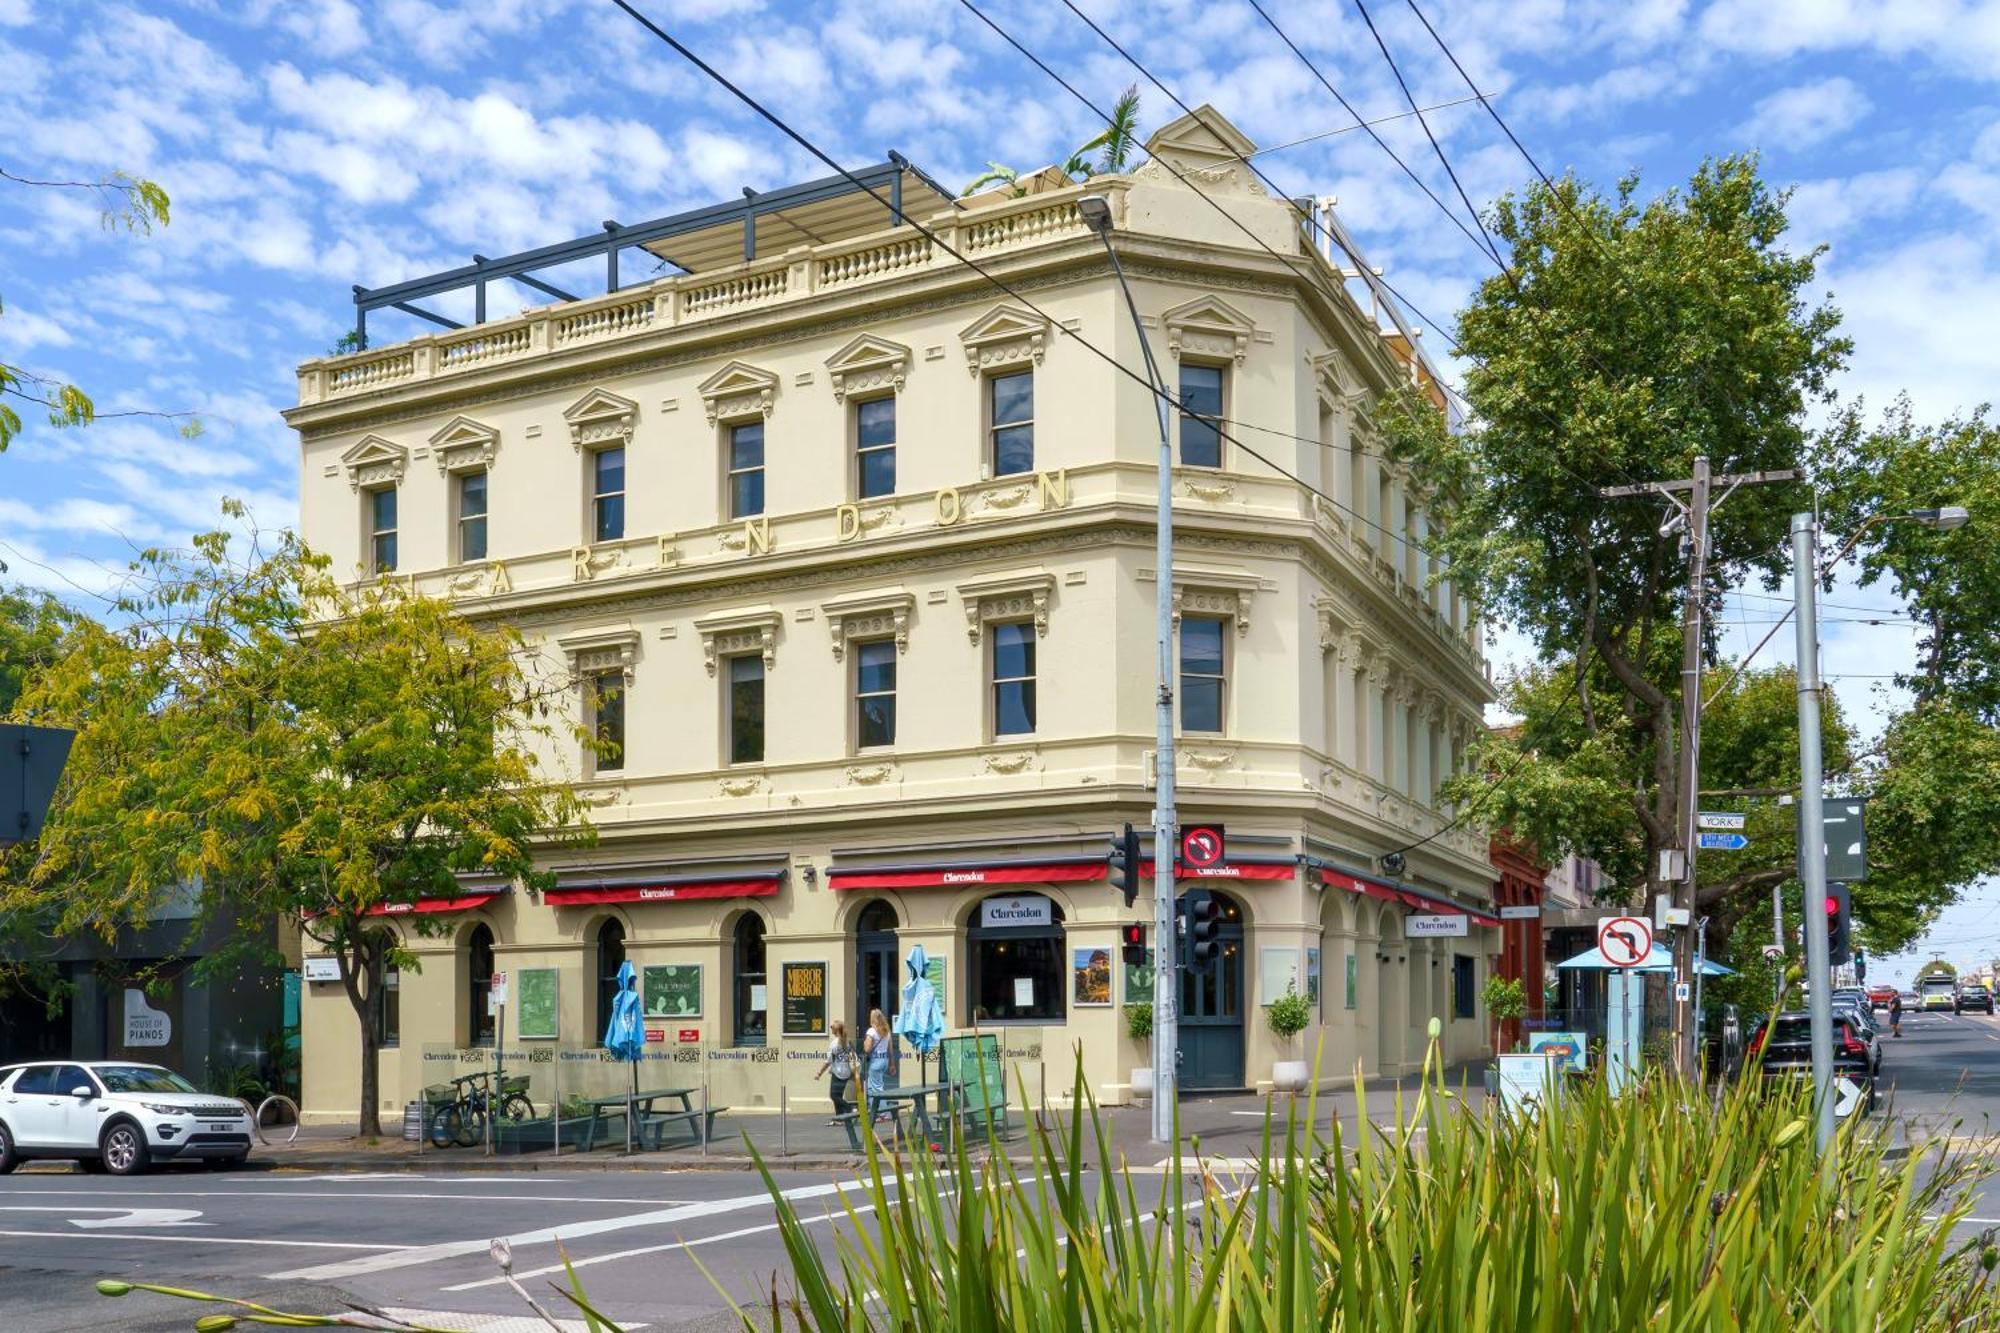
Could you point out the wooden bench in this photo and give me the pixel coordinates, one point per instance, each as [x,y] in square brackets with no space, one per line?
[700,1125]
[851,1121]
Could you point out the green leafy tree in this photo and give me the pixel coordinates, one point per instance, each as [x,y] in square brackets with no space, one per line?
[1624,340]
[304,751]
[125,203]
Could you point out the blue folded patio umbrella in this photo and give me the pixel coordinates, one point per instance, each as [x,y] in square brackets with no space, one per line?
[625,1035]
[920,1021]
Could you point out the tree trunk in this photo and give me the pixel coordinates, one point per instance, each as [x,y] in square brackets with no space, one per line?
[356,967]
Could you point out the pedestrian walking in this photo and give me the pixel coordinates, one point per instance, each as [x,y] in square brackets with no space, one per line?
[878,1054]
[838,1068]
[1896,1014]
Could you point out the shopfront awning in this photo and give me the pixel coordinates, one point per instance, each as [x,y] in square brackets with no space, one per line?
[953,876]
[668,889]
[1284,869]
[1394,893]
[435,906]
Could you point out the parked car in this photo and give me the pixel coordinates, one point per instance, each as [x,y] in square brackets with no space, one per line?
[1858,1014]
[1938,993]
[1785,1051]
[1974,995]
[115,1116]
[1879,997]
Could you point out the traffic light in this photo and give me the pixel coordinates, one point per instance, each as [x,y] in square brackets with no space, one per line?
[1838,908]
[1125,864]
[1860,965]
[1133,935]
[1204,916]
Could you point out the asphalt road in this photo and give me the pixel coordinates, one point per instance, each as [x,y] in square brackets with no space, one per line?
[419,1242]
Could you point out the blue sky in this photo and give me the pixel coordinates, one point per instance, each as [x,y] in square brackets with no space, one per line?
[313,144]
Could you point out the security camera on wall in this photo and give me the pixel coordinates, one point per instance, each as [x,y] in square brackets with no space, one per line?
[1392,864]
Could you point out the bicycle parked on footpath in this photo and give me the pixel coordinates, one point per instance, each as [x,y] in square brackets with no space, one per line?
[459,1108]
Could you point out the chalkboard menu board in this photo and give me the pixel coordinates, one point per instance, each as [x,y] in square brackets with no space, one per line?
[805,999]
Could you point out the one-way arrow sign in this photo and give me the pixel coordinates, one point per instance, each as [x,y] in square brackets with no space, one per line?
[1721,842]
[1846,1097]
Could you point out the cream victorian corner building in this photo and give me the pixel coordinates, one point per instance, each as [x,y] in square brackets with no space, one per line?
[851,555]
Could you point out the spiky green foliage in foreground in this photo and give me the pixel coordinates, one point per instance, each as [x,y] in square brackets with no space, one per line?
[1665,1210]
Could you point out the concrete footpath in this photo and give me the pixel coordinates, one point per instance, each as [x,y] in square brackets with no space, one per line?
[1224,1126]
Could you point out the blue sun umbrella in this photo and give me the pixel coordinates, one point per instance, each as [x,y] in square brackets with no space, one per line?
[625,1035]
[920,1021]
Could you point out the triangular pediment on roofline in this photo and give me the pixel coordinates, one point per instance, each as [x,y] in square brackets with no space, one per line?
[867,362]
[1208,326]
[1204,141]
[374,461]
[739,389]
[1004,335]
[600,419]
[464,445]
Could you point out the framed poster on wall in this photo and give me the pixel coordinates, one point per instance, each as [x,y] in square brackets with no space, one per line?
[1312,980]
[805,999]
[535,1011]
[1090,976]
[672,990]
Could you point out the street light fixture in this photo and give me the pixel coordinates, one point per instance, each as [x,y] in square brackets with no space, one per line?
[1095,210]
[1806,574]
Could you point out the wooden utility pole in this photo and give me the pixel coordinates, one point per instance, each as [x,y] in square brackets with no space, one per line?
[1676,867]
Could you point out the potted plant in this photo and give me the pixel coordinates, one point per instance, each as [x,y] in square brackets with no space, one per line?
[1139,1027]
[1288,1016]
[1506,1000]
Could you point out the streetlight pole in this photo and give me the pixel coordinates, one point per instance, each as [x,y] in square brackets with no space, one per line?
[1096,211]
[1812,811]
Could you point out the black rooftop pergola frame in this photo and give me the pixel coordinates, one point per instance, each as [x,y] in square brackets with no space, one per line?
[887,177]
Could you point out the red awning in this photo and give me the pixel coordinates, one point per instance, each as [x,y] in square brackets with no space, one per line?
[429,906]
[1355,884]
[1482,919]
[932,877]
[1233,870]
[1390,894]
[763,886]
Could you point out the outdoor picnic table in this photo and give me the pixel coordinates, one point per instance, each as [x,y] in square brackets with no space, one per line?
[643,1105]
[915,1097]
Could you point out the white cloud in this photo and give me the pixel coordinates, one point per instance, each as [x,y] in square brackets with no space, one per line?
[15,14]
[1920,314]
[1826,210]
[1963,35]
[1806,115]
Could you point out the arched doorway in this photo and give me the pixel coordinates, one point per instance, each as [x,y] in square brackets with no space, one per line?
[1211,1017]
[1392,994]
[748,994]
[1017,966]
[479,986]
[875,978]
[610,956]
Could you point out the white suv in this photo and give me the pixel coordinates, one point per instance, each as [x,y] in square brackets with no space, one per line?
[115,1116]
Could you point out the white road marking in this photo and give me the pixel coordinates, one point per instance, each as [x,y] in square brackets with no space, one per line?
[126,1217]
[339,1194]
[490,1323]
[426,1254]
[212,1240]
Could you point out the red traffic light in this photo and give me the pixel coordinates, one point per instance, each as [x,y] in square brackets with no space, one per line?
[1832,905]
[1134,935]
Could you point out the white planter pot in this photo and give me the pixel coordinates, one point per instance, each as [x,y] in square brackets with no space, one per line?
[1142,1082]
[1290,1075]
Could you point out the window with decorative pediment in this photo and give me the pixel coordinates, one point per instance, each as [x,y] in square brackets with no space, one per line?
[1208,326]
[738,390]
[600,420]
[600,429]
[1018,596]
[867,364]
[602,662]
[372,463]
[1004,336]
[735,632]
[1215,592]
[883,614]
[464,445]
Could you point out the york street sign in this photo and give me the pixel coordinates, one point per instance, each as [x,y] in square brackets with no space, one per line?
[31,759]
[1720,819]
[1520,912]
[1721,842]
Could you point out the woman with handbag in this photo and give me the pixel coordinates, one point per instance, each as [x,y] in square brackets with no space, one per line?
[838,1067]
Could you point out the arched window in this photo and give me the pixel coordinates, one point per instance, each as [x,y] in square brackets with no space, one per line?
[749,986]
[479,986]
[610,956]
[1017,968]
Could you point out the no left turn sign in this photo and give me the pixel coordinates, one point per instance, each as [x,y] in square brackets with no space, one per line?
[1201,846]
[1625,941]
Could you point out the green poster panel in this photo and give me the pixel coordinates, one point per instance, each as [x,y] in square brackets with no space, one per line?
[672,991]
[535,1003]
[1139,981]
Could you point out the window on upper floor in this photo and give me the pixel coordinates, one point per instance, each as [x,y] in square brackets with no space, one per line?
[1010,415]
[1013,679]
[1204,656]
[746,709]
[607,492]
[1201,411]
[746,469]
[606,692]
[875,448]
[471,517]
[382,531]
[875,693]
